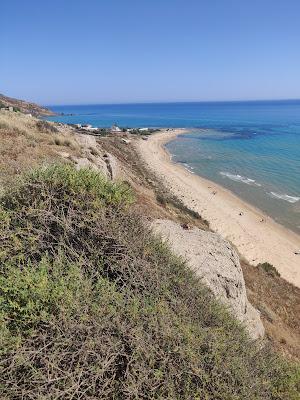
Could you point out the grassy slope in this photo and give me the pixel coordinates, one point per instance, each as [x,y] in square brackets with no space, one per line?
[93,307]
[28,142]
[279,304]
[24,106]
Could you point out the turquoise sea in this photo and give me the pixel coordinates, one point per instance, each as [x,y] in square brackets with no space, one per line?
[251,148]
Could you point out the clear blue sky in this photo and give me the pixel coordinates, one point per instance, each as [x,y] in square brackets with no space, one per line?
[106,51]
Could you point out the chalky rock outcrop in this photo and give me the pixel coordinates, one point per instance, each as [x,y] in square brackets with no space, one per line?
[216,262]
[93,157]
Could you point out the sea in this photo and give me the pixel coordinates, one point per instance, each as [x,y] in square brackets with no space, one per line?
[251,148]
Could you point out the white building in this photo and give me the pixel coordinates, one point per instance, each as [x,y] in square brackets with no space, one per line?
[115,129]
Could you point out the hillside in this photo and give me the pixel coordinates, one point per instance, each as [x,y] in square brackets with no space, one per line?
[24,106]
[93,305]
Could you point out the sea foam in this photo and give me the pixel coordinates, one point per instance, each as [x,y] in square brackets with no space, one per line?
[286,197]
[240,178]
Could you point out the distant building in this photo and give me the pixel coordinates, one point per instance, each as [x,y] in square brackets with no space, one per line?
[144,129]
[7,108]
[115,129]
[87,127]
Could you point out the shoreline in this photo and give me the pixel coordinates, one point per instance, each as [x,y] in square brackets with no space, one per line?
[256,241]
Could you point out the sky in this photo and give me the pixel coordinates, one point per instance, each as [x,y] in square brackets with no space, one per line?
[122,51]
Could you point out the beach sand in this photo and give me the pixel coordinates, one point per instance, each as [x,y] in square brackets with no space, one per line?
[230,216]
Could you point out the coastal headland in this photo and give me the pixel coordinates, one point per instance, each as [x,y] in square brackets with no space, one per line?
[255,235]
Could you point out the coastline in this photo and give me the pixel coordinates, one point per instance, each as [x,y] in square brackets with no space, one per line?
[256,241]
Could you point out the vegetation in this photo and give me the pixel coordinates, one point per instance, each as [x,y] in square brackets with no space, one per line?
[166,199]
[269,268]
[46,127]
[23,145]
[137,131]
[61,141]
[92,306]
[279,304]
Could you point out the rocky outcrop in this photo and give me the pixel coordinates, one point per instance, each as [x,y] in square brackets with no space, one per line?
[216,262]
[92,156]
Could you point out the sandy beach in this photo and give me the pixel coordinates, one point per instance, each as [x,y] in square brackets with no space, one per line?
[231,217]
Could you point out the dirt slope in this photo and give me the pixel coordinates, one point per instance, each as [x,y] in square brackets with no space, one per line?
[24,106]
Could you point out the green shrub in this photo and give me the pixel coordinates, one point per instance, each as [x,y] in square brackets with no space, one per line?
[269,268]
[92,306]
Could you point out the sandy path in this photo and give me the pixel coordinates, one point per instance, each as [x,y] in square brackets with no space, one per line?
[256,241]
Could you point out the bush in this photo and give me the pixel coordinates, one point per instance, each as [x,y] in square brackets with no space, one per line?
[269,268]
[46,127]
[92,306]
[165,199]
[61,141]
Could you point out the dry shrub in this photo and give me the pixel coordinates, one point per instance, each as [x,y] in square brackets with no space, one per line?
[46,127]
[94,151]
[92,306]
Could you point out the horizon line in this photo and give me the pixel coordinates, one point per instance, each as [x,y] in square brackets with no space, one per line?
[171,102]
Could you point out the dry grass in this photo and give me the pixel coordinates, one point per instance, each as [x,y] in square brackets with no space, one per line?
[27,142]
[46,127]
[92,306]
[23,146]
[279,303]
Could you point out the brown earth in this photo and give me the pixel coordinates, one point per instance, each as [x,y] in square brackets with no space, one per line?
[24,106]
[279,304]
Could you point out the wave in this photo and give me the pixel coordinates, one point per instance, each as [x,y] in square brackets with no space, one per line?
[188,167]
[286,197]
[240,178]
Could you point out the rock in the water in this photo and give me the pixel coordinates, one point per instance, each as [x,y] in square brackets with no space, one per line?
[218,265]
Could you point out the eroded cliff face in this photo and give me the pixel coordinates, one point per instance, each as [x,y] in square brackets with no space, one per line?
[216,262]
